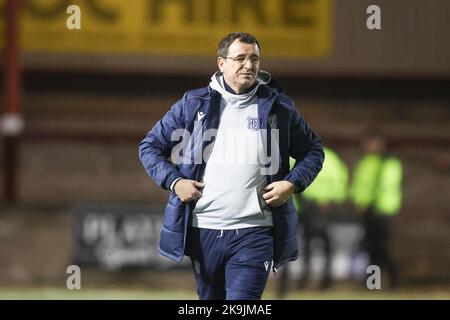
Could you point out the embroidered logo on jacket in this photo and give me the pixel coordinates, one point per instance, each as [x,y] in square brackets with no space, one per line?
[273,122]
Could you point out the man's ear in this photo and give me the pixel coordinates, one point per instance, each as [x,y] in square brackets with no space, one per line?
[220,62]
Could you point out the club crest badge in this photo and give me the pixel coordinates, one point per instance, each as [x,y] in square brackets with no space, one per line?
[253,123]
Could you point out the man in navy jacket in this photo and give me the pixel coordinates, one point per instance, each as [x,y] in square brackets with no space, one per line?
[223,151]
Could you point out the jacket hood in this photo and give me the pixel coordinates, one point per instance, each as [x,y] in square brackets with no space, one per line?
[264,79]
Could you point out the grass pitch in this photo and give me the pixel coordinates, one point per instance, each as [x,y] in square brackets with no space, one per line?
[152,294]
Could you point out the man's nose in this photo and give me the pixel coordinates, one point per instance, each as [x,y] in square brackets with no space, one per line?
[248,64]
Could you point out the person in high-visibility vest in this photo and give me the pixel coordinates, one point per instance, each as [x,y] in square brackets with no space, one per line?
[316,203]
[376,191]
[322,199]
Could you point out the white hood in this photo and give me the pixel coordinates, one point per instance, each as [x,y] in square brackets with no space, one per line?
[237,99]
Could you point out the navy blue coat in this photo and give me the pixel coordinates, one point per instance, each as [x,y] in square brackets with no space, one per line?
[296,139]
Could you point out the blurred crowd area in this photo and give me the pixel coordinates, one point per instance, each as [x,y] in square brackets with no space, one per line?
[85,113]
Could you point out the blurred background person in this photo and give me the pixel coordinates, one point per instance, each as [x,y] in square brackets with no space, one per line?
[376,192]
[322,200]
[316,205]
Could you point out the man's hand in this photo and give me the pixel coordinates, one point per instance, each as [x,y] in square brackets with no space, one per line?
[187,190]
[278,192]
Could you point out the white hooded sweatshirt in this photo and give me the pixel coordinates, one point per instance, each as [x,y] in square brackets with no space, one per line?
[234,182]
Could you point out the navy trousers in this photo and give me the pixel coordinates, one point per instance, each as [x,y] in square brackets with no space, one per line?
[231,264]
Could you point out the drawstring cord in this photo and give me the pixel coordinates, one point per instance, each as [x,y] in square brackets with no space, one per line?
[220,235]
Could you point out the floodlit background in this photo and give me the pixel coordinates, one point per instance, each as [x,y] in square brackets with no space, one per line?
[73,190]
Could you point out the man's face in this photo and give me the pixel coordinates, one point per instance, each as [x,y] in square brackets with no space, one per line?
[240,72]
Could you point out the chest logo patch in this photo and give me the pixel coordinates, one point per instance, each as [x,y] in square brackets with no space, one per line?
[253,123]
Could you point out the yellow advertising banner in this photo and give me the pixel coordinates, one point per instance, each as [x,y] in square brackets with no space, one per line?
[285,28]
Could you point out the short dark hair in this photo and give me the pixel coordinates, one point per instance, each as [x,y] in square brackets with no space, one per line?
[225,43]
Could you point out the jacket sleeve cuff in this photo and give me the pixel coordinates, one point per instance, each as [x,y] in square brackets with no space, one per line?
[299,187]
[170,181]
[173,183]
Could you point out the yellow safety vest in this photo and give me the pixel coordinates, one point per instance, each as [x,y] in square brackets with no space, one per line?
[330,185]
[377,183]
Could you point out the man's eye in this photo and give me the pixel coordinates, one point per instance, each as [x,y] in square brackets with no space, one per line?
[240,59]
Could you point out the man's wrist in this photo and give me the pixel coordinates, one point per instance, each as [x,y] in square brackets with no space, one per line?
[290,179]
[292,187]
